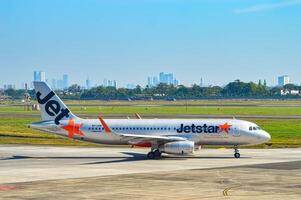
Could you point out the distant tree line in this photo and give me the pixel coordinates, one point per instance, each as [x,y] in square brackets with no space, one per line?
[235,89]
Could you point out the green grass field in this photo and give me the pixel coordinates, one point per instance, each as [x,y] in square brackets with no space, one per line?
[217,102]
[171,110]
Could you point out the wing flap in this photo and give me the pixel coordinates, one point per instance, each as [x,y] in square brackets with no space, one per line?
[136,138]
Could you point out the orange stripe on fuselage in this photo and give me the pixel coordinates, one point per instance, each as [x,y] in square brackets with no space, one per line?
[105,126]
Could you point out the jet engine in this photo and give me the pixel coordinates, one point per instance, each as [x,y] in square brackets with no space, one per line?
[180,147]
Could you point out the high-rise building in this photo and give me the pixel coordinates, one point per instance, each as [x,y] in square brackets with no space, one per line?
[110,83]
[166,78]
[169,79]
[105,82]
[283,80]
[65,81]
[88,84]
[36,76]
[149,81]
[155,81]
[43,76]
[9,86]
[162,77]
[39,76]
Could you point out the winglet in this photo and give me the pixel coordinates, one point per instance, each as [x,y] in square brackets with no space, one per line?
[137,116]
[105,126]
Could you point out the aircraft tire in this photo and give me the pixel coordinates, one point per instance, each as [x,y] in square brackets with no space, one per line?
[157,153]
[151,155]
[237,155]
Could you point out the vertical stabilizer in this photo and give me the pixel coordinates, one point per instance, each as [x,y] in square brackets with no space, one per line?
[52,107]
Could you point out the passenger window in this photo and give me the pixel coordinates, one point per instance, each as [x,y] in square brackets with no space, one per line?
[250,128]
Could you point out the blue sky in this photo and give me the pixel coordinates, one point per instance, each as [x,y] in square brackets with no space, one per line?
[127,40]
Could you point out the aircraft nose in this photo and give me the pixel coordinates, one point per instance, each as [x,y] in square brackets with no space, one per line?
[265,136]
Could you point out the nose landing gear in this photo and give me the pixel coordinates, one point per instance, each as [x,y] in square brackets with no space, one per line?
[236,152]
[154,154]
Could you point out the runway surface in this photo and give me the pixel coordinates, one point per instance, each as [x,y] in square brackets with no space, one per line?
[39,172]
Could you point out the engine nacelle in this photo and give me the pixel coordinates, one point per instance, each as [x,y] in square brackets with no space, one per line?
[181,147]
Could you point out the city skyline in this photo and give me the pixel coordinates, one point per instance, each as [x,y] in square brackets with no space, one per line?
[220,41]
[125,83]
[150,81]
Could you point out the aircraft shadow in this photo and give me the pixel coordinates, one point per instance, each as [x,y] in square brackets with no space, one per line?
[134,157]
[139,157]
[65,157]
[131,157]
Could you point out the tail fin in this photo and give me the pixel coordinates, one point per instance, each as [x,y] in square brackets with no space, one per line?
[52,107]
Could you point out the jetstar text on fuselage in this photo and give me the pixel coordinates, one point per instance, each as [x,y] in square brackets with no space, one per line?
[198,129]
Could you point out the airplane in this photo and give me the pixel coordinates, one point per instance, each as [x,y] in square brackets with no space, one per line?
[169,136]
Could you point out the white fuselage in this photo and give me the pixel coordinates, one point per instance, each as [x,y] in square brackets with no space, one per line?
[199,131]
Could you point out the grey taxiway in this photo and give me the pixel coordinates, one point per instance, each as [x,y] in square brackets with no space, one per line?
[45,172]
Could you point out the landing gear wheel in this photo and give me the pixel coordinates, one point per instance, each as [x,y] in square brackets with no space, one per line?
[157,153]
[151,155]
[237,155]
[236,152]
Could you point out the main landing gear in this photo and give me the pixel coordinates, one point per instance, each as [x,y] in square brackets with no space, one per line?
[154,154]
[236,152]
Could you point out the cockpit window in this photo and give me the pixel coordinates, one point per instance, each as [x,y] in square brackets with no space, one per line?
[254,128]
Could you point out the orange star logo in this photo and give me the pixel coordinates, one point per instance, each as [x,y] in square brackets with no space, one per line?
[225,127]
[73,129]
